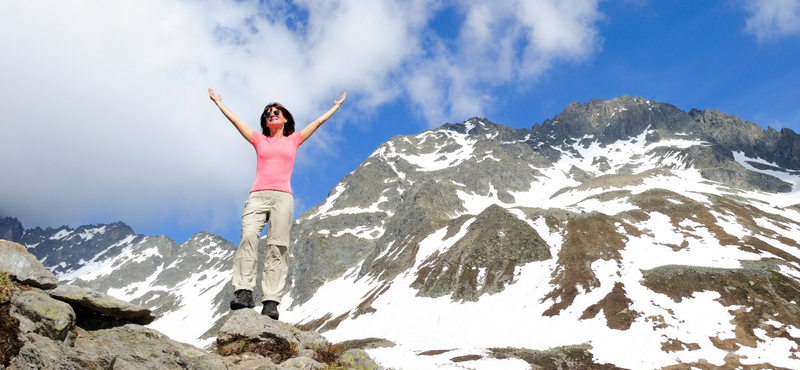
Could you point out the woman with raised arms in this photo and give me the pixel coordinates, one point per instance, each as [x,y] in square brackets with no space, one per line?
[270,201]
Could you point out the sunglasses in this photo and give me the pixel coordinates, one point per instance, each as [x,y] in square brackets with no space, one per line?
[275,112]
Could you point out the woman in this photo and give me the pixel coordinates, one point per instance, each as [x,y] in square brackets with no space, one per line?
[270,201]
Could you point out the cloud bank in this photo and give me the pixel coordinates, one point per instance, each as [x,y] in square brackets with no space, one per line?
[105,114]
[770,19]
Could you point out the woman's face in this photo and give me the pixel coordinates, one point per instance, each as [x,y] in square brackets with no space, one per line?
[275,117]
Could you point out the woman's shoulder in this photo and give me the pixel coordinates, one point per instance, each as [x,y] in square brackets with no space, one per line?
[297,136]
[257,137]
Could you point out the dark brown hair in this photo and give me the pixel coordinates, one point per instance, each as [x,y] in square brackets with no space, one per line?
[288,127]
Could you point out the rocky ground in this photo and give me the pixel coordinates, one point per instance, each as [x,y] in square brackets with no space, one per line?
[44,325]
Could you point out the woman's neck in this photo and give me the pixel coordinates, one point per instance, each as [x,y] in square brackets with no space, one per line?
[276,132]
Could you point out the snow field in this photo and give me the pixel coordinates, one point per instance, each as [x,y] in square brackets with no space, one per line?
[192,319]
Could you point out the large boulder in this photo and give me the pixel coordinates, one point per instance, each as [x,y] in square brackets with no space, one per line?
[102,303]
[38,313]
[247,333]
[137,347]
[17,262]
[358,359]
[41,352]
[249,325]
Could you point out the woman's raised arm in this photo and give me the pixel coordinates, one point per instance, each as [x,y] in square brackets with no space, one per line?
[245,130]
[313,126]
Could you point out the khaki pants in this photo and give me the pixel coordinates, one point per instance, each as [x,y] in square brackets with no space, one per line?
[277,208]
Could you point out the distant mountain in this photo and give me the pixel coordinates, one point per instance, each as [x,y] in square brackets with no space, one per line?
[622,233]
[182,283]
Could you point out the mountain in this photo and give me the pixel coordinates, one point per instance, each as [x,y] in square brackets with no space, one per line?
[632,232]
[184,284]
[622,233]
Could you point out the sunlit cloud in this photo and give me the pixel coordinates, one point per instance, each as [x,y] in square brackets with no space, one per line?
[500,44]
[770,19]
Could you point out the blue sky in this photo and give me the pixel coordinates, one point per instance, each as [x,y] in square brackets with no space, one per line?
[105,115]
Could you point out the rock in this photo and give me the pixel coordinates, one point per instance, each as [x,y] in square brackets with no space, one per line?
[496,243]
[247,331]
[40,352]
[137,347]
[303,363]
[11,229]
[16,261]
[39,313]
[248,324]
[358,359]
[103,303]
[366,343]
[261,364]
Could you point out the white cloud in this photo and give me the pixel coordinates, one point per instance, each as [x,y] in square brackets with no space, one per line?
[501,43]
[773,18]
[104,109]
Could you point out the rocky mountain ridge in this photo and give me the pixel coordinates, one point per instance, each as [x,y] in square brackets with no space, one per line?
[616,219]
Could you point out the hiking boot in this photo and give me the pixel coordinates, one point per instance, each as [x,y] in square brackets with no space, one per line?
[242,299]
[270,309]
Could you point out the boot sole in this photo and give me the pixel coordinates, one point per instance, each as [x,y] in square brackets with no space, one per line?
[237,305]
[272,315]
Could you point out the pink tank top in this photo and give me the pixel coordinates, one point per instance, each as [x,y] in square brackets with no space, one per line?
[275,161]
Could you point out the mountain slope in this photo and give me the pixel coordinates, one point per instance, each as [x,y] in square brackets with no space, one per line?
[622,193]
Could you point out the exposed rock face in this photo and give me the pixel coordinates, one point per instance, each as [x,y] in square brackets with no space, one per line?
[40,352]
[567,357]
[284,344]
[589,237]
[103,304]
[622,118]
[484,260]
[751,293]
[11,229]
[250,326]
[16,261]
[43,315]
[137,347]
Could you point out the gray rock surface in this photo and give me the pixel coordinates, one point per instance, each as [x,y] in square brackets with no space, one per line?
[16,261]
[259,364]
[250,325]
[497,242]
[39,313]
[358,359]
[52,338]
[40,352]
[137,347]
[304,363]
[103,303]
[11,229]
[247,326]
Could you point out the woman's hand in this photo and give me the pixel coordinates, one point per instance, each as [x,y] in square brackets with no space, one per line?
[340,101]
[215,98]
[313,126]
[246,131]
